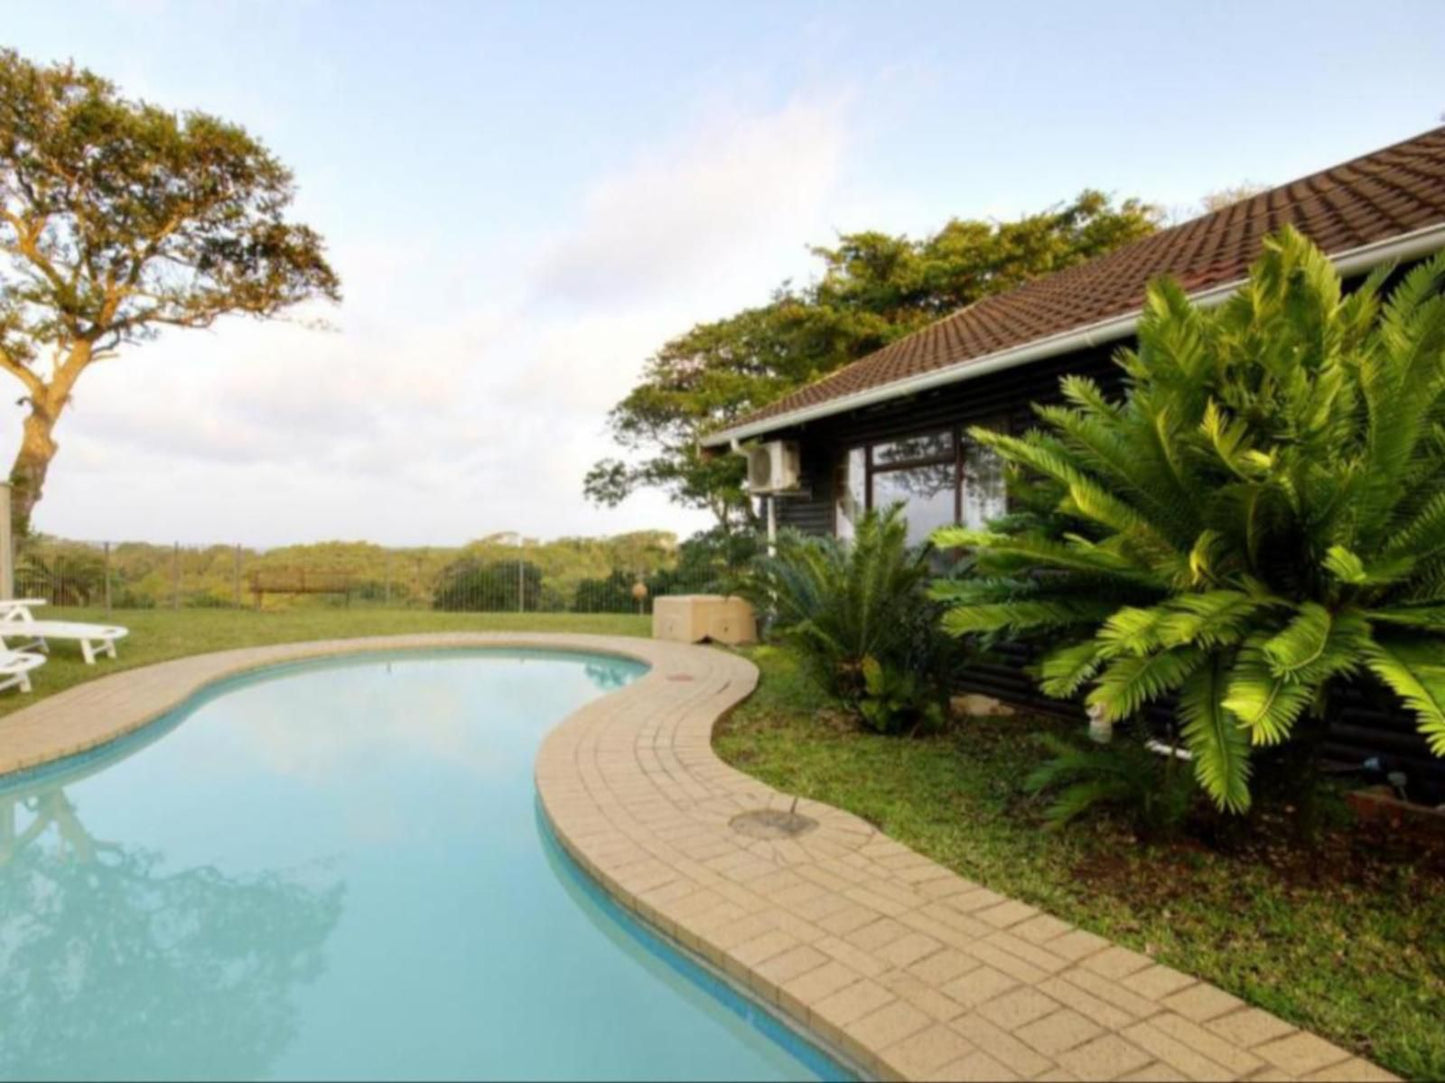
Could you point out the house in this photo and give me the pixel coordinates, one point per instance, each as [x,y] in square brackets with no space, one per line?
[890,427]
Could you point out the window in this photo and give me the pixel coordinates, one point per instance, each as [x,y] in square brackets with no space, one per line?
[940,478]
[929,495]
[852,492]
[985,495]
[933,446]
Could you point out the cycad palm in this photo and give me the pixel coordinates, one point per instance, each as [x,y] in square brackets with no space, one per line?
[1260,517]
[842,603]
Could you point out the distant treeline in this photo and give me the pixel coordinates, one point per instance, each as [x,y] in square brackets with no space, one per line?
[496,572]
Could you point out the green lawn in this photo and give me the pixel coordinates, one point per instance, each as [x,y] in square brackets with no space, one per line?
[158,634]
[1346,938]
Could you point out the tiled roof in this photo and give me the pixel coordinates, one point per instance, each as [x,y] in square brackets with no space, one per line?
[1368,200]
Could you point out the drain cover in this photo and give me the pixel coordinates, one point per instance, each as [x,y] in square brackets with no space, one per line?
[769,823]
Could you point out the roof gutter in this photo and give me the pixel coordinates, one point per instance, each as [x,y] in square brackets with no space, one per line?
[1407,246]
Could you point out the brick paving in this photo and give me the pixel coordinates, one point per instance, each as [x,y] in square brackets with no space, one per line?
[907,969]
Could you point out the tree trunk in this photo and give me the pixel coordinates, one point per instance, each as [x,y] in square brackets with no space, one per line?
[27,476]
[37,440]
[1304,754]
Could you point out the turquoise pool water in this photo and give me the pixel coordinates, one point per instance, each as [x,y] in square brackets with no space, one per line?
[339,870]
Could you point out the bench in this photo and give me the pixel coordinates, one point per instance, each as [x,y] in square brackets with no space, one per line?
[299,581]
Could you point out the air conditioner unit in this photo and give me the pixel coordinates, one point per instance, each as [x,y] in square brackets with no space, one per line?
[773,467]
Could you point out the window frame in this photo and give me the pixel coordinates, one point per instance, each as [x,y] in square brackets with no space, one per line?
[953,457]
[956,457]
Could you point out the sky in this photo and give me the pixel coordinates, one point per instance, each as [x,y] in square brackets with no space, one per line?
[526,200]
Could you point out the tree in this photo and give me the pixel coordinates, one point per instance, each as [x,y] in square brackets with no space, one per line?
[63,573]
[475,586]
[702,380]
[118,219]
[1261,519]
[874,289]
[1234,193]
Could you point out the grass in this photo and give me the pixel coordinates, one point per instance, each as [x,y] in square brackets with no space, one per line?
[159,634]
[1344,936]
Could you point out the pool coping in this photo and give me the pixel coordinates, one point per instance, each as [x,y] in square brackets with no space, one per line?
[877,952]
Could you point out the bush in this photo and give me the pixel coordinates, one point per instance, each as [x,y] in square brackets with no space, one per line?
[1154,791]
[859,618]
[63,573]
[610,595]
[1262,518]
[470,585]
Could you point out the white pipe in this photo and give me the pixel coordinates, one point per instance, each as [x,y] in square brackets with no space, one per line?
[1168,750]
[1406,246]
[772,525]
[1101,727]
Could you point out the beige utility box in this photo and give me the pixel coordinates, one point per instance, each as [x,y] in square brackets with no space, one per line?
[692,618]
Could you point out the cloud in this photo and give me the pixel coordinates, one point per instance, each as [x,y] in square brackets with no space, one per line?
[687,213]
[458,395]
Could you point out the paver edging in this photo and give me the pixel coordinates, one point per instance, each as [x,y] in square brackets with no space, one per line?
[628,817]
[879,953]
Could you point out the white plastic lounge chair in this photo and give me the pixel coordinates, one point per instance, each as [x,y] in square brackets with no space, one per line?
[15,667]
[94,639]
[24,604]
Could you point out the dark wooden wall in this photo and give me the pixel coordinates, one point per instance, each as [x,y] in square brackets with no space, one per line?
[1374,727]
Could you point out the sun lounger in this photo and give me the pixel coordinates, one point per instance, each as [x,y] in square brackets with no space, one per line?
[94,639]
[24,605]
[15,667]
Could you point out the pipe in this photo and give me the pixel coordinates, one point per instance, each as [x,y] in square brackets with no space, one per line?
[1101,727]
[1168,750]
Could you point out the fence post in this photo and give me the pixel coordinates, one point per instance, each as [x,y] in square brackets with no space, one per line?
[176,576]
[418,579]
[7,545]
[236,577]
[386,590]
[105,548]
[521,586]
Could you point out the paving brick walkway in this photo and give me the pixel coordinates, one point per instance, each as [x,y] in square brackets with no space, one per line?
[908,969]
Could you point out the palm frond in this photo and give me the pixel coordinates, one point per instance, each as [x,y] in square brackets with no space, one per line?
[1416,673]
[1064,670]
[1267,704]
[1023,616]
[1219,744]
[1301,643]
[1128,683]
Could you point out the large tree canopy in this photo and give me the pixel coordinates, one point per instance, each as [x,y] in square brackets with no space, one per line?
[874,288]
[118,218]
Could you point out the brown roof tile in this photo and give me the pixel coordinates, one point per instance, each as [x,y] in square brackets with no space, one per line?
[1371,199]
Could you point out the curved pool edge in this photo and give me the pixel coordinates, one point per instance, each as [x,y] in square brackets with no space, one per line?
[736,997]
[87,716]
[863,944]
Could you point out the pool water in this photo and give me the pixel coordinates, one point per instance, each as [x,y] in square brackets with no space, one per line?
[339,870]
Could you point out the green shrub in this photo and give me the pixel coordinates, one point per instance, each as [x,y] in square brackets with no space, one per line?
[1153,790]
[896,698]
[858,615]
[1263,515]
[471,585]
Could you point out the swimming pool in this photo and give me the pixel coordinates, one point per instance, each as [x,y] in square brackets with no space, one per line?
[338,869]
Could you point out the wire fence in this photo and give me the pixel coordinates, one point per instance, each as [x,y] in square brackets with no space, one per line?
[114,576]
